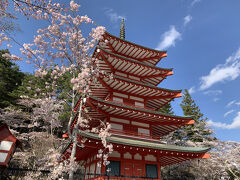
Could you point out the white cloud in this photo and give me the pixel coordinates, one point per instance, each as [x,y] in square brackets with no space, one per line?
[195,2]
[229,112]
[187,19]
[114,17]
[237,103]
[231,103]
[192,90]
[216,99]
[169,38]
[234,125]
[213,92]
[223,72]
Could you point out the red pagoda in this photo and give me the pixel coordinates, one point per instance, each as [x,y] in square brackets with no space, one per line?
[126,96]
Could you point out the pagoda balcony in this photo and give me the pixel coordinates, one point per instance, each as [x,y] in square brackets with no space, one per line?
[134,135]
[162,124]
[131,104]
[125,90]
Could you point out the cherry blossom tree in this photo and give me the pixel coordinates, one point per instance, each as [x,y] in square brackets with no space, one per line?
[65,45]
[222,164]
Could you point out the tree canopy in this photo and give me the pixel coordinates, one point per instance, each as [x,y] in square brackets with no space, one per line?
[10,78]
[167,109]
[199,131]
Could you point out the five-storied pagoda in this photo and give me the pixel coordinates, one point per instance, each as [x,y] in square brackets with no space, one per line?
[127,97]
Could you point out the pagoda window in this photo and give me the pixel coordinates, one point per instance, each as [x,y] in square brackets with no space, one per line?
[140,124]
[137,156]
[113,169]
[115,154]
[118,99]
[136,98]
[143,131]
[150,157]
[127,155]
[139,104]
[117,126]
[132,129]
[151,171]
[120,95]
[119,120]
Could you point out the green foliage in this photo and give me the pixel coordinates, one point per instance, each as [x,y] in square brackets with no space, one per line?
[35,87]
[64,93]
[167,109]
[10,78]
[30,86]
[199,131]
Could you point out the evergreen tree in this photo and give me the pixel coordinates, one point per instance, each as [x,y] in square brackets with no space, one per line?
[167,109]
[199,131]
[10,78]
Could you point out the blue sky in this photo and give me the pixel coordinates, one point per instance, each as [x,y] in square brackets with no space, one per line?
[203,43]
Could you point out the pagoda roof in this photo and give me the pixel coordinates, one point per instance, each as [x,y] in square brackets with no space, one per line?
[146,144]
[131,50]
[167,154]
[111,62]
[162,124]
[156,97]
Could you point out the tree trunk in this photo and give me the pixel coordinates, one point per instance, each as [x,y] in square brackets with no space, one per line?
[74,134]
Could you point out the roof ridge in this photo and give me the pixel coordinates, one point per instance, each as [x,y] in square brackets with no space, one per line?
[135,44]
[142,143]
[135,61]
[140,109]
[149,85]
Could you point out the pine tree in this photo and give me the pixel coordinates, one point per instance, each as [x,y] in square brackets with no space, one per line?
[166,109]
[10,78]
[199,131]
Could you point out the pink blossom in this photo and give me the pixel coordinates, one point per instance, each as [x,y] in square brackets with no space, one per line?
[54,72]
[6,55]
[98,32]
[74,6]
[15,58]
[74,80]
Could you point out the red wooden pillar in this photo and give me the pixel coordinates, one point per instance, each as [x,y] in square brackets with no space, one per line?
[159,171]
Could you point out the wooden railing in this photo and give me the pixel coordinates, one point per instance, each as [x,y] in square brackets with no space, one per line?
[91,176]
[134,135]
[21,173]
